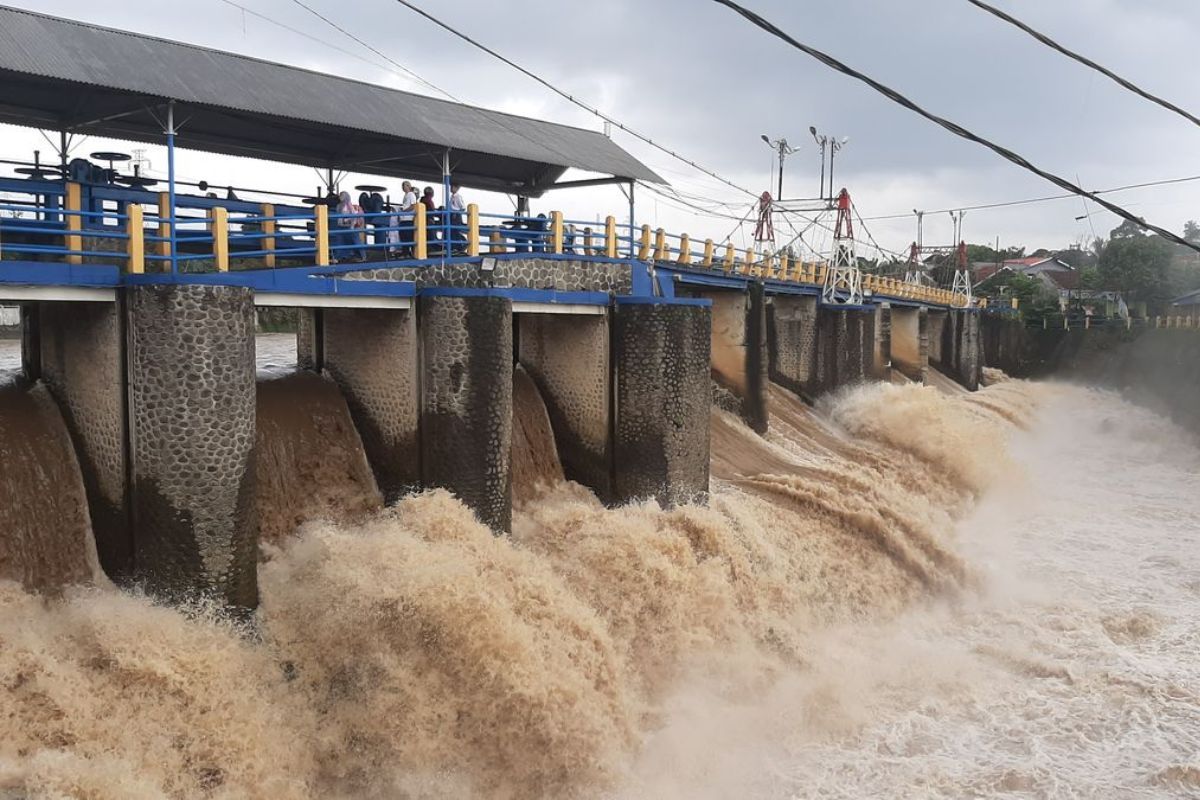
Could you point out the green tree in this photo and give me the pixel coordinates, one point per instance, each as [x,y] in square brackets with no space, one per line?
[1191,231]
[1127,230]
[1136,265]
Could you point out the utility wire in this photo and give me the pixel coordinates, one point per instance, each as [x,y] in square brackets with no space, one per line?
[1087,62]
[570,97]
[953,127]
[1048,198]
[384,56]
[304,34]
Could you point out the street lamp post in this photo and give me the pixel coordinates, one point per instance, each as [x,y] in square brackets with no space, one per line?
[830,145]
[782,147]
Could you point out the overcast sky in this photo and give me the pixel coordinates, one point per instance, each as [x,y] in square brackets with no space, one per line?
[694,76]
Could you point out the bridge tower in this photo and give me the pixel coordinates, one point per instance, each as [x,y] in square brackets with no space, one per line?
[764,231]
[843,281]
[913,273]
[962,277]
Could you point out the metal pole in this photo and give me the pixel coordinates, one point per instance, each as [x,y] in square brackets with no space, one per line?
[62,150]
[446,211]
[632,250]
[832,155]
[782,155]
[171,183]
[822,194]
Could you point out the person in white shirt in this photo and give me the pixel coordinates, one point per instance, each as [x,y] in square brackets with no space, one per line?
[408,209]
[457,209]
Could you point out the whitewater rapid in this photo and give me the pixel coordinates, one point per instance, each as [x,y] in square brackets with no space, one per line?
[1070,672]
[903,594]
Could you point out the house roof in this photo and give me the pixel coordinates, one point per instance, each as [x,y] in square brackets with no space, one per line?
[66,75]
[1189,299]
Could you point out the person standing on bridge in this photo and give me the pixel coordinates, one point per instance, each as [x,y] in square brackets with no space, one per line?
[408,209]
[349,230]
[457,209]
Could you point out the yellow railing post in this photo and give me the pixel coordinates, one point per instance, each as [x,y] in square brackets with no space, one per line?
[135,241]
[768,265]
[220,234]
[784,265]
[74,242]
[728,260]
[421,234]
[472,230]
[660,245]
[321,229]
[644,245]
[708,254]
[749,262]
[588,250]
[610,237]
[685,249]
[163,248]
[268,227]
[556,232]
[496,243]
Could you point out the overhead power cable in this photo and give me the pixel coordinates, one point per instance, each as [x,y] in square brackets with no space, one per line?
[953,127]
[1087,62]
[384,56]
[566,95]
[1046,199]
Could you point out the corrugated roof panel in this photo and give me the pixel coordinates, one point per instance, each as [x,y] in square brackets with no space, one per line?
[60,49]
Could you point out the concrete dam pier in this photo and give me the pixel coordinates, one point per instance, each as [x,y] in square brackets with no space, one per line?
[157,390]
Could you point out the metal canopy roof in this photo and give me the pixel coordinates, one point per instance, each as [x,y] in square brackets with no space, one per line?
[66,75]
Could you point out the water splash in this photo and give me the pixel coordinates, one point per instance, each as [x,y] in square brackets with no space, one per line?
[701,651]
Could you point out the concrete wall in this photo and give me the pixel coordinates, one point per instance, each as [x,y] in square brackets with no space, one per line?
[81,352]
[966,348]
[372,355]
[466,401]
[1158,368]
[740,360]
[910,341]
[662,400]
[845,347]
[191,373]
[1003,343]
[882,355]
[792,342]
[937,329]
[310,339]
[568,358]
[562,274]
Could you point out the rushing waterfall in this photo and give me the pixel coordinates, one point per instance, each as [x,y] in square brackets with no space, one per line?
[849,615]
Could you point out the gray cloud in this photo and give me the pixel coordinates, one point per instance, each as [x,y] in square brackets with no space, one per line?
[698,78]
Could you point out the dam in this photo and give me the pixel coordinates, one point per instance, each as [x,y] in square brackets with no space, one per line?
[532,507]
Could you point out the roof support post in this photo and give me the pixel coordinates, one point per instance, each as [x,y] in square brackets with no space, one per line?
[447,215]
[171,185]
[632,245]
